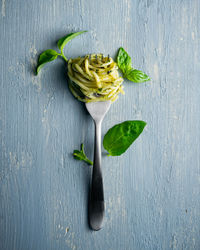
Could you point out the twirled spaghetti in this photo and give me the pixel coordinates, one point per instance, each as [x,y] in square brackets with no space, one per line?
[94,78]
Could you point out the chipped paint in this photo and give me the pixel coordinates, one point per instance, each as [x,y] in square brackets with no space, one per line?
[128,10]
[45,118]
[98,42]
[193,36]
[66,231]
[3,8]
[156,71]
[18,72]
[115,207]
[173,244]
[33,50]
[46,125]
[22,160]
[70,241]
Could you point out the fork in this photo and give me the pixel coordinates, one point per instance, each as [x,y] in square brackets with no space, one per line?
[96,202]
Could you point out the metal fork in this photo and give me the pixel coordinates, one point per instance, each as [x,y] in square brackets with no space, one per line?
[96,203]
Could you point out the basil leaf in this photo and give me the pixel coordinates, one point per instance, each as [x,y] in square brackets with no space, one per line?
[46,56]
[135,75]
[119,138]
[61,40]
[64,40]
[123,60]
[124,64]
[80,155]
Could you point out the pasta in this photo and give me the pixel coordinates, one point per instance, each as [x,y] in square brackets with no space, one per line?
[94,78]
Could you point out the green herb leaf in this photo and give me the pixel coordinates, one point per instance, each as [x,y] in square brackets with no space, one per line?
[80,155]
[135,75]
[119,138]
[46,56]
[64,40]
[124,63]
[124,60]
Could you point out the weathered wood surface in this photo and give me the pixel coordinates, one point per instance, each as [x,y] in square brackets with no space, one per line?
[152,192]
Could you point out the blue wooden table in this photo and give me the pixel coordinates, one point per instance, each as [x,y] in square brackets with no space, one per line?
[152,192]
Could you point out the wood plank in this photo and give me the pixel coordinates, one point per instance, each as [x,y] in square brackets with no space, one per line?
[152,191]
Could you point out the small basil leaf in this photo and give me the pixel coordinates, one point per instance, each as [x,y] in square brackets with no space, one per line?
[46,56]
[119,138]
[123,60]
[61,40]
[64,40]
[80,155]
[135,75]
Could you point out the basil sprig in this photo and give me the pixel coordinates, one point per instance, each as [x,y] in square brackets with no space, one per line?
[125,65]
[50,54]
[46,56]
[81,156]
[64,40]
[119,138]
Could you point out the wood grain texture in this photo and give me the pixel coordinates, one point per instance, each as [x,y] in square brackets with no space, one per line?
[152,191]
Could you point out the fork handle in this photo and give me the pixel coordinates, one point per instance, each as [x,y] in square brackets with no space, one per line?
[96,202]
